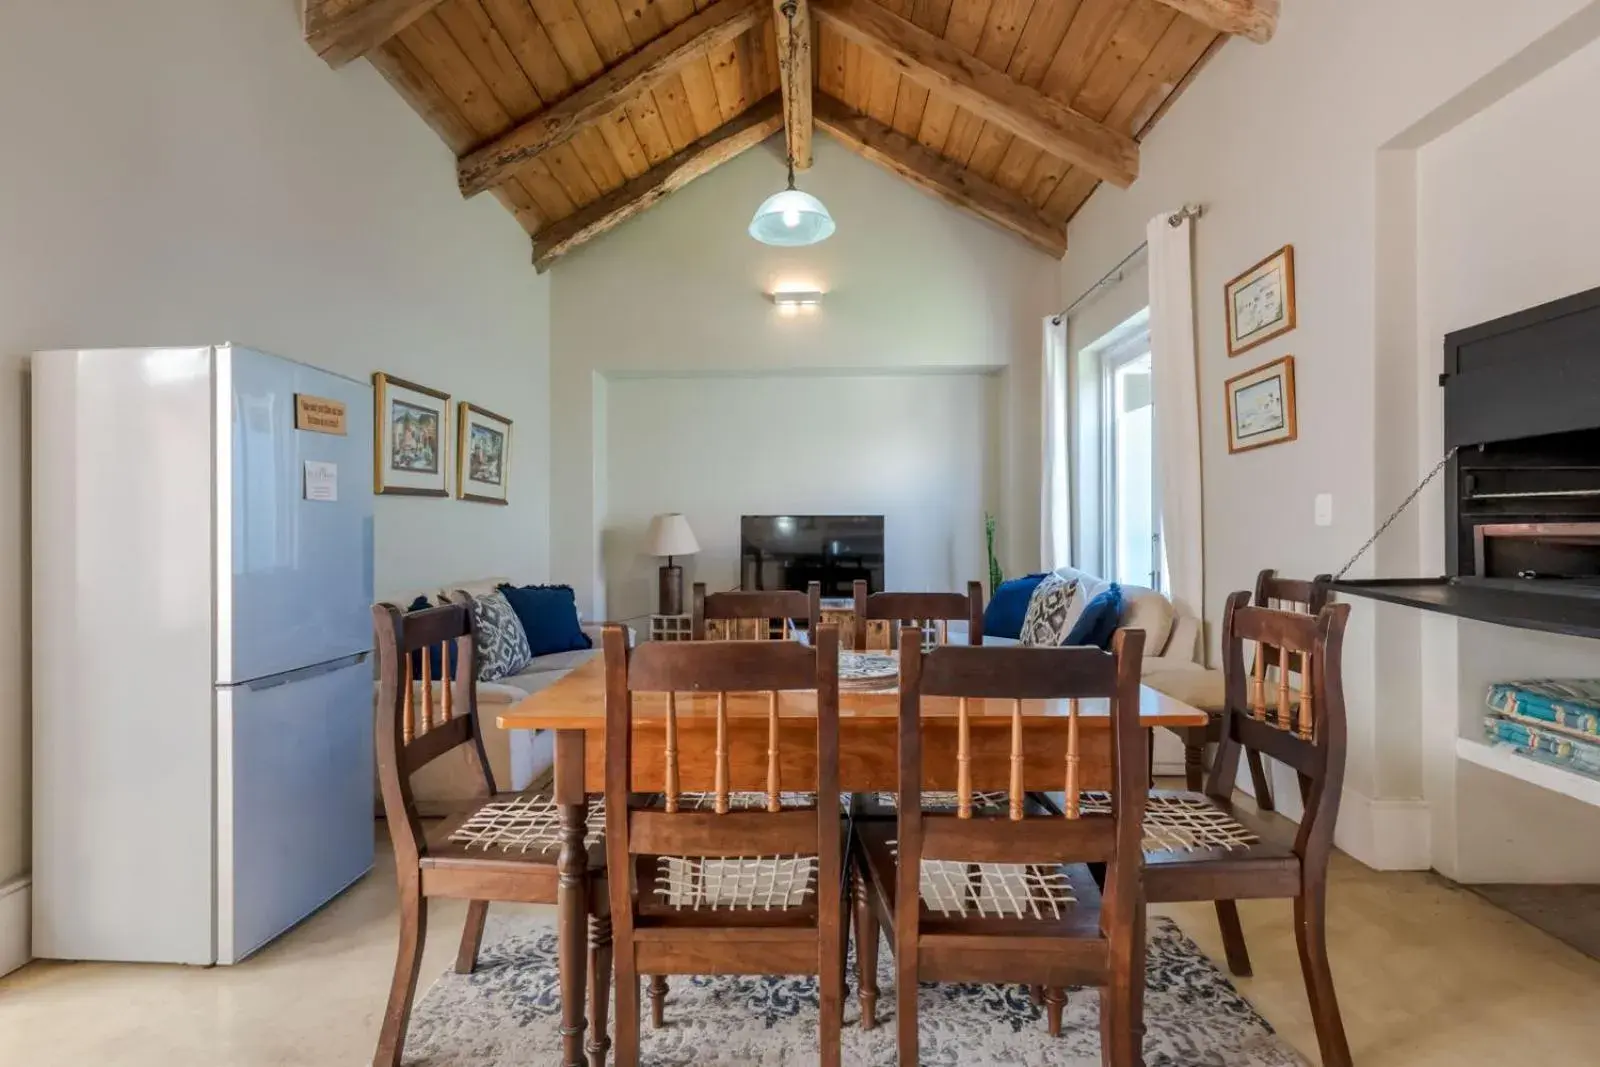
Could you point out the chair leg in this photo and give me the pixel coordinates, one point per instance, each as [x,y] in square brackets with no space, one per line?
[1036,995]
[905,1006]
[471,936]
[1233,938]
[625,1049]
[866,955]
[658,1001]
[830,1007]
[407,965]
[1194,759]
[1055,999]
[599,989]
[1311,936]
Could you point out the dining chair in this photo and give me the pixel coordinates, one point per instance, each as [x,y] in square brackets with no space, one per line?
[702,883]
[1204,846]
[500,847]
[988,892]
[929,612]
[759,614]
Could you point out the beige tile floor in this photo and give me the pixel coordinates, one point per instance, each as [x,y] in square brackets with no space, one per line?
[1429,976]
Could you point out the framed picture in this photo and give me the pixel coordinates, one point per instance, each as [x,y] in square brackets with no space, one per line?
[410,429]
[1261,302]
[1261,406]
[483,455]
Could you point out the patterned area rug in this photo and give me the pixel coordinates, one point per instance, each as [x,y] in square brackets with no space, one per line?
[509,1013]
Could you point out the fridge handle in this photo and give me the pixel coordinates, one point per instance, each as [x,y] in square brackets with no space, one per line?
[302,673]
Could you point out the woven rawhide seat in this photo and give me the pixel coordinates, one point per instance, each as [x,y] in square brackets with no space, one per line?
[746,801]
[525,823]
[764,882]
[1184,822]
[998,890]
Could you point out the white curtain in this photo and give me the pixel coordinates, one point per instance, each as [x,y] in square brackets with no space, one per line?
[1055,502]
[1177,410]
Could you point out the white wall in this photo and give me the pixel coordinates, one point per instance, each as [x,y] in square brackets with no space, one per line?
[1312,140]
[186,171]
[912,285]
[920,450]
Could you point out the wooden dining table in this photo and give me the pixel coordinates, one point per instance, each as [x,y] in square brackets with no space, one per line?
[574,707]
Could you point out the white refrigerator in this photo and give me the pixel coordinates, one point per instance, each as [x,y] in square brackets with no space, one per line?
[202,689]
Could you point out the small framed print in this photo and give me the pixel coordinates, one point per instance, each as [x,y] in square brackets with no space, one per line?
[483,455]
[410,432]
[1261,406]
[1261,302]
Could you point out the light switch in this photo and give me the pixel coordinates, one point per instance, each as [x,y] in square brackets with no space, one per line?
[1324,509]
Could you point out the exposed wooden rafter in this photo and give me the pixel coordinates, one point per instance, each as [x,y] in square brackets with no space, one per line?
[931,172]
[1255,19]
[691,39]
[988,93]
[709,152]
[343,32]
[794,70]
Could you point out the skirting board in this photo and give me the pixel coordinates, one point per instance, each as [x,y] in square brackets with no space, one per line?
[1384,834]
[16,923]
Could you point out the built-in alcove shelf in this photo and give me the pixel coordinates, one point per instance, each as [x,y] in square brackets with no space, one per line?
[1504,759]
[1558,607]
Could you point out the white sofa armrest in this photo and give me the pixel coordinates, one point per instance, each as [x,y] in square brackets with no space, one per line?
[1184,644]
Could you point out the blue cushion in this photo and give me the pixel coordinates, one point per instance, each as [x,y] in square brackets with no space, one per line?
[1008,606]
[1098,623]
[422,603]
[549,616]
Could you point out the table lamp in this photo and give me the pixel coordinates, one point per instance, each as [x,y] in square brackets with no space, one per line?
[670,536]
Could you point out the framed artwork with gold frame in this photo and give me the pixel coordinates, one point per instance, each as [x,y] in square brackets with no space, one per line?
[1261,406]
[483,455]
[411,431]
[1261,302]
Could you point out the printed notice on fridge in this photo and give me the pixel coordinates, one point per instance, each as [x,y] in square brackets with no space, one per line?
[322,480]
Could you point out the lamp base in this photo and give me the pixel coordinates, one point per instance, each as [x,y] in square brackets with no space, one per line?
[670,593]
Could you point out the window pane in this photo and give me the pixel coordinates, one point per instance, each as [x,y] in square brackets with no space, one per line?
[1132,491]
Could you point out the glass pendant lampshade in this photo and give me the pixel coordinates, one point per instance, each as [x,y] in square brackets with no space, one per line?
[791,219]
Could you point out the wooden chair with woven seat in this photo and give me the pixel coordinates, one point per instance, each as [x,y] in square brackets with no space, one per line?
[1204,846]
[929,612]
[989,893]
[504,847]
[707,882]
[754,614]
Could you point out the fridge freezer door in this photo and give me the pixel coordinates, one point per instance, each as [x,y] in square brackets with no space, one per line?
[294,798]
[294,568]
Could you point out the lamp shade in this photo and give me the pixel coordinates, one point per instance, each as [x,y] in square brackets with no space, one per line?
[790,219]
[670,536]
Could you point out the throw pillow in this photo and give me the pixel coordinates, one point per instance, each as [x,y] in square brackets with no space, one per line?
[1099,620]
[435,653]
[1046,621]
[549,616]
[502,646]
[1008,606]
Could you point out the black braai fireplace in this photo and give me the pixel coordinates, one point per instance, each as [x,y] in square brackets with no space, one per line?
[1522,491]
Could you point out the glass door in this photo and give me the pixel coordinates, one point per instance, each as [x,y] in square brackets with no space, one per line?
[1131,511]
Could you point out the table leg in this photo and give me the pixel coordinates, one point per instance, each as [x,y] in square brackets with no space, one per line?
[572,897]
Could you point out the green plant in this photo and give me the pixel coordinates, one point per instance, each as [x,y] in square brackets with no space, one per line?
[995,574]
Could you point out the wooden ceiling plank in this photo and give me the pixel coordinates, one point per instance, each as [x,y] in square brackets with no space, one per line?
[730,74]
[639,72]
[547,190]
[1255,19]
[985,91]
[650,188]
[1179,49]
[1069,195]
[645,22]
[1041,39]
[912,99]
[358,28]
[433,46]
[535,53]
[883,78]
[1183,84]
[611,35]
[926,169]
[963,29]
[998,44]
[791,30]
[416,87]
[469,25]
[1142,28]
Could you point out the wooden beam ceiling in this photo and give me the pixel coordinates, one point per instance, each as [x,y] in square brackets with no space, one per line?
[794,73]
[1255,19]
[691,39]
[989,94]
[342,32]
[711,151]
[931,172]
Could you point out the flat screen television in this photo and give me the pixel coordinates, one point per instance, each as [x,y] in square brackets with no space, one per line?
[791,551]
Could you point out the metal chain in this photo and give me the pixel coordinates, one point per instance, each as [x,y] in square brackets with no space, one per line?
[1395,514]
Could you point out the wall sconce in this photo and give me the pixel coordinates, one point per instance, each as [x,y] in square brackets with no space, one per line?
[794,299]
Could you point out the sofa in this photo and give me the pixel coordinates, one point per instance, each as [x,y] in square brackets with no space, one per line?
[518,758]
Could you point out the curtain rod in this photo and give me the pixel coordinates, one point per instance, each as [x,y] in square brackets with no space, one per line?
[1187,211]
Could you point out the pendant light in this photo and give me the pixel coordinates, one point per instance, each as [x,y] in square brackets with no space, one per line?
[791,219]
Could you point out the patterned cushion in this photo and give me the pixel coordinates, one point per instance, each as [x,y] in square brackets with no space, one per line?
[1049,609]
[502,646]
